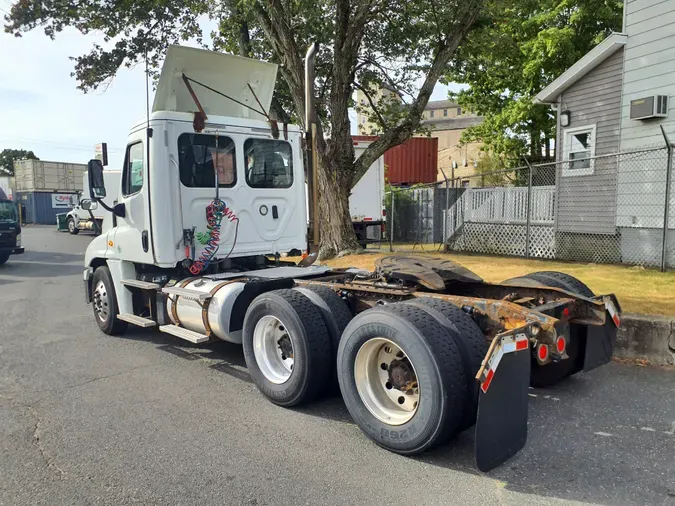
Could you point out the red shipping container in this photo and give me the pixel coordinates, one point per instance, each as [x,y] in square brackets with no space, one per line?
[413,162]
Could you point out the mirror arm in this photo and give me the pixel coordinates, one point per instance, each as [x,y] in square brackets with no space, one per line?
[118,209]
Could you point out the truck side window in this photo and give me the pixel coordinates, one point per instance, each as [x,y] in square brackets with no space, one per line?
[269,163]
[199,155]
[132,179]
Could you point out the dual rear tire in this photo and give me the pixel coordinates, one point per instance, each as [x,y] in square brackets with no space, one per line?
[543,376]
[405,370]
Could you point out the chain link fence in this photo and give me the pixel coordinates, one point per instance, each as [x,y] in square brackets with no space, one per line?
[615,208]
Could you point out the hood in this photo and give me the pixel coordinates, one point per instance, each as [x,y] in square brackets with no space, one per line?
[223,72]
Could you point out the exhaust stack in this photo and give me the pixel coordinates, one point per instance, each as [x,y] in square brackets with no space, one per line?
[312,157]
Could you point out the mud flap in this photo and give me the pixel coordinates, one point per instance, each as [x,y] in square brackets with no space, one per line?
[501,427]
[600,341]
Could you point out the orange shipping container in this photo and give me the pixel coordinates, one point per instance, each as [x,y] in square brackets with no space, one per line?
[413,162]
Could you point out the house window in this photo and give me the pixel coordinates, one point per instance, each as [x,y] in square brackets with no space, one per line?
[579,149]
[445,112]
[431,114]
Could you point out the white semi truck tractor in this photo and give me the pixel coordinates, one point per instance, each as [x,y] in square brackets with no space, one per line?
[212,193]
[92,218]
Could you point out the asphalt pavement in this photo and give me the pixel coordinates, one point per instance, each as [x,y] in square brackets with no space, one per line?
[148,419]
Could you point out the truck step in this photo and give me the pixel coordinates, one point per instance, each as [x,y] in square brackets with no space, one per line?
[186,293]
[143,285]
[183,333]
[139,321]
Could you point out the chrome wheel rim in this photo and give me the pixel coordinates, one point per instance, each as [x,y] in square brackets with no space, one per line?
[273,349]
[71,225]
[386,381]
[101,302]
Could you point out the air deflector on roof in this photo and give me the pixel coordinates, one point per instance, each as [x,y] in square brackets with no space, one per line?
[231,75]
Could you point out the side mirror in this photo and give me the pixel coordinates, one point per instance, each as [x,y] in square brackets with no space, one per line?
[89,205]
[96,182]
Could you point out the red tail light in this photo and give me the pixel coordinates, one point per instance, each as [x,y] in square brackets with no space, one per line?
[560,344]
[542,352]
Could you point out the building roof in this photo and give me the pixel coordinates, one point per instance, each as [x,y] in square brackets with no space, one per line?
[459,123]
[582,67]
[440,104]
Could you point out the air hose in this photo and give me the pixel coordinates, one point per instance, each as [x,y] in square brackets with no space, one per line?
[216,211]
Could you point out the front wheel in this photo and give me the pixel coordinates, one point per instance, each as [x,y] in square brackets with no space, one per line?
[3,258]
[72,229]
[104,302]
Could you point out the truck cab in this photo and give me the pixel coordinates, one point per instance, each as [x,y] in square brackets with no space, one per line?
[181,178]
[10,230]
[93,217]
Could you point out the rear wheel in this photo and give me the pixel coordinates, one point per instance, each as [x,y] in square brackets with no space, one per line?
[336,316]
[471,341]
[402,378]
[104,302]
[548,375]
[72,229]
[287,347]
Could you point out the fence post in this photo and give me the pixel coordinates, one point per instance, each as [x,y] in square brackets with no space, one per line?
[666,211]
[447,209]
[529,210]
[391,226]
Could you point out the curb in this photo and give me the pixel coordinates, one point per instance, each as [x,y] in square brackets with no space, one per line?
[646,337]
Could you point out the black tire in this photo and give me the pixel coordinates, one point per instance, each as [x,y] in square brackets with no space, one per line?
[334,310]
[336,316]
[3,258]
[440,372]
[72,229]
[110,324]
[310,338]
[543,376]
[471,341]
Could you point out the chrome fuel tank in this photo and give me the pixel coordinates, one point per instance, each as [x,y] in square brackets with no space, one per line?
[190,314]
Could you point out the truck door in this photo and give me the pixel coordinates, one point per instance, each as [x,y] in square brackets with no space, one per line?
[131,240]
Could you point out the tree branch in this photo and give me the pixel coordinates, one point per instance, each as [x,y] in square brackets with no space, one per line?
[404,130]
[383,123]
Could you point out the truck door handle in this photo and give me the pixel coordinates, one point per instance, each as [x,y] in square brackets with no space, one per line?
[144,240]
[275,212]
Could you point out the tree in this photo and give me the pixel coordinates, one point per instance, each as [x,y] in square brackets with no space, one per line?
[364,43]
[9,156]
[507,61]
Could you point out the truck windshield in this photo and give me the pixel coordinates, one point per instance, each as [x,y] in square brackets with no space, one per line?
[8,211]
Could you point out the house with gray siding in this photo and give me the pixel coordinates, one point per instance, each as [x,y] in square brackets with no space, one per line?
[602,197]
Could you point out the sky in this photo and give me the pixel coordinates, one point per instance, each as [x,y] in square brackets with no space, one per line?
[42,110]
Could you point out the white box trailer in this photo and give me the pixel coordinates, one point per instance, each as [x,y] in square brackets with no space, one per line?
[366,202]
[421,348]
[92,219]
[41,175]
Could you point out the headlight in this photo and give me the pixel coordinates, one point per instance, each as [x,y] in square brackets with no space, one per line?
[18,240]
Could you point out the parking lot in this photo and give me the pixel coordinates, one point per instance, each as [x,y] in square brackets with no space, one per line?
[146,418]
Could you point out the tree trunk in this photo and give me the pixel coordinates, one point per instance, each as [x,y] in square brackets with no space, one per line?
[335,221]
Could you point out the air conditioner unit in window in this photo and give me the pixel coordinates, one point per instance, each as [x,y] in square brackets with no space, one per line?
[655,106]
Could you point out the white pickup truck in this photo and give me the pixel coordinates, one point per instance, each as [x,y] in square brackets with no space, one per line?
[79,219]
